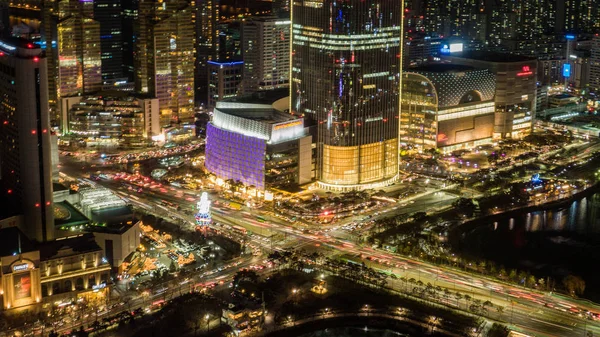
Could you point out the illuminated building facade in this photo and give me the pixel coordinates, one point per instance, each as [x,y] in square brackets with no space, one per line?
[252,140]
[164,57]
[595,65]
[79,68]
[265,51]
[515,89]
[447,107]
[207,17]
[58,270]
[113,119]
[346,57]
[25,164]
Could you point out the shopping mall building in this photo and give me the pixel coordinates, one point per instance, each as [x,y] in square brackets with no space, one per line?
[254,140]
[446,106]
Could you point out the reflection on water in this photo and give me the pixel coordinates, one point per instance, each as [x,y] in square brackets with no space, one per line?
[354,332]
[581,216]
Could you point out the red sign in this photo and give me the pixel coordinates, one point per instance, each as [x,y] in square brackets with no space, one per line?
[526,71]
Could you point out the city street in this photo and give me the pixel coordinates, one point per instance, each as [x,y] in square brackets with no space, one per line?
[530,311]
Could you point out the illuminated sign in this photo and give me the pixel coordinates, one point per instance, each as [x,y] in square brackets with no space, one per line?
[570,37]
[7,46]
[526,71]
[456,47]
[566,71]
[287,125]
[21,267]
[99,286]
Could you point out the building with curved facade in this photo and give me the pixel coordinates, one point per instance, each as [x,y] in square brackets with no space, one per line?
[346,60]
[253,140]
[446,106]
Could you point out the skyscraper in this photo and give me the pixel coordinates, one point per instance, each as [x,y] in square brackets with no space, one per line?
[346,59]
[164,57]
[108,14]
[207,15]
[25,165]
[265,51]
[595,65]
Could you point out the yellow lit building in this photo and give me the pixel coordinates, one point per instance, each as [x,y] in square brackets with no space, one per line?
[59,270]
[164,57]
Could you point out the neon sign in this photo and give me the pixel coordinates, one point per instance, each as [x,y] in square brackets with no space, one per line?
[526,71]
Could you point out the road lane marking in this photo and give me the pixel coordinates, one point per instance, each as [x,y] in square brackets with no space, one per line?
[556,325]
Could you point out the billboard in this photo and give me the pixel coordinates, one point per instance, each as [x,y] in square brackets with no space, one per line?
[22,284]
[566,71]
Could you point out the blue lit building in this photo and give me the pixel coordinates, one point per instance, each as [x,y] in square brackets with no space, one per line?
[253,140]
[224,79]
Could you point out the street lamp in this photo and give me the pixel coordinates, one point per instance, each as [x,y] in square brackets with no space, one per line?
[207,317]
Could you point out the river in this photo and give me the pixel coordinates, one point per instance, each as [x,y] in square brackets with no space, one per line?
[353,332]
[554,242]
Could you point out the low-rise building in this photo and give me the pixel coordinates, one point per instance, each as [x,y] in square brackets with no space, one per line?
[252,140]
[37,273]
[111,119]
[562,100]
[515,93]
[244,318]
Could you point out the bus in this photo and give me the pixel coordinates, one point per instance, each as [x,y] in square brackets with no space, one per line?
[240,230]
[235,205]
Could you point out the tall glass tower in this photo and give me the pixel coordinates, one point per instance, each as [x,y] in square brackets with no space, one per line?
[346,60]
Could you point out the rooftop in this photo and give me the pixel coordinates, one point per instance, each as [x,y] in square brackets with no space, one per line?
[79,244]
[113,216]
[10,240]
[443,68]
[562,96]
[492,56]
[65,215]
[261,97]
[19,42]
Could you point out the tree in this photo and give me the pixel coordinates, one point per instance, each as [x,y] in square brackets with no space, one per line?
[458,297]
[512,275]
[531,281]
[575,285]
[542,283]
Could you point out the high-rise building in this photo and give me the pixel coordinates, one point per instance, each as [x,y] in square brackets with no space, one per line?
[79,60]
[129,16]
[595,65]
[346,60]
[108,14]
[265,51]
[72,40]
[25,164]
[164,57]
[207,14]
[224,80]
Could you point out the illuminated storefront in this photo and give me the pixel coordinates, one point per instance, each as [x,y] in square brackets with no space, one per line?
[57,270]
[346,60]
[446,106]
[515,94]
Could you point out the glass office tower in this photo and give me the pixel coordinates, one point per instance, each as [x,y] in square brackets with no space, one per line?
[345,78]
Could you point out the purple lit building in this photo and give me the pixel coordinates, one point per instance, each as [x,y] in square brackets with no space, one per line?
[252,139]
